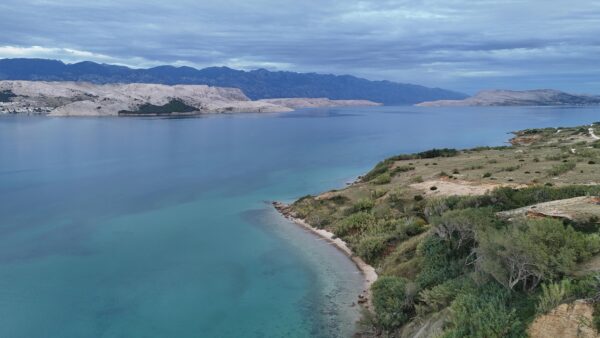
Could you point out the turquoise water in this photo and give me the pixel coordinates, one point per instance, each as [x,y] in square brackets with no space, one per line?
[162,228]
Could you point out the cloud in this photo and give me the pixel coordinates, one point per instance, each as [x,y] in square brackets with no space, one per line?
[460,44]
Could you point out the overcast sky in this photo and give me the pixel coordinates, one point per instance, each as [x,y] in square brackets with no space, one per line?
[465,45]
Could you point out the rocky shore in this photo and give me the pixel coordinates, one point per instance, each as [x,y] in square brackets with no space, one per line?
[364,298]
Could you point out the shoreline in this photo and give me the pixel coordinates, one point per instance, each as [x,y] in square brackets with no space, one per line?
[368,272]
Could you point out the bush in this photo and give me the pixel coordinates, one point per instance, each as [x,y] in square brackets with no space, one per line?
[416,179]
[409,227]
[486,175]
[458,227]
[439,262]
[561,168]
[553,294]
[371,247]
[587,287]
[364,204]
[441,296]
[354,223]
[533,250]
[382,179]
[392,308]
[485,314]
[402,169]
[381,168]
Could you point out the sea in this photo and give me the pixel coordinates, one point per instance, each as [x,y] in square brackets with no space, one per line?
[158,227]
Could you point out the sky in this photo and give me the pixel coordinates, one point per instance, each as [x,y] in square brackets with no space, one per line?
[464,45]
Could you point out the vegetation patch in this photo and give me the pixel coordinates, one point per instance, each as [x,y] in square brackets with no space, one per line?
[477,247]
[6,95]
[173,106]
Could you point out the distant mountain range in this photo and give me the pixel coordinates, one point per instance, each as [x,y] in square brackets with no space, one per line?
[256,84]
[538,97]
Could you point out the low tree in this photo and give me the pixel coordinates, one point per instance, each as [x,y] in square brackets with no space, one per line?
[392,307]
[530,251]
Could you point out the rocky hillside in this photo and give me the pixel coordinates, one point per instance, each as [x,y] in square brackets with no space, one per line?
[541,97]
[318,102]
[86,99]
[482,242]
[257,84]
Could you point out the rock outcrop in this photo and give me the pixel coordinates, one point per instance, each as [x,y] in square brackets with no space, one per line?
[566,320]
[541,97]
[306,102]
[86,99]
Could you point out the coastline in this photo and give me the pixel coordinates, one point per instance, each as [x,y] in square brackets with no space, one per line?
[368,272]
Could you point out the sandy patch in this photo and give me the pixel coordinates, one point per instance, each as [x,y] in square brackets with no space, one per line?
[458,187]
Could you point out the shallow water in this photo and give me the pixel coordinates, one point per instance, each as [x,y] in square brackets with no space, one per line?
[161,227]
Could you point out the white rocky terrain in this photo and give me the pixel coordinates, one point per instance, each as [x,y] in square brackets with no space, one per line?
[86,99]
[540,97]
[295,103]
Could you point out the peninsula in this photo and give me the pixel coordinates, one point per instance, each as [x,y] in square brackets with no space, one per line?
[540,97]
[461,237]
[139,99]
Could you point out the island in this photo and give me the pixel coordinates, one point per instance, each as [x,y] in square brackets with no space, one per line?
[539,97]
[142,99]
[485,242]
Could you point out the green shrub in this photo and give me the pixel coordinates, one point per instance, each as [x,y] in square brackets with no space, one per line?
[439,262]
[416,179]
[484,314]
[459,227]
[409,227]
[511,168]
[486,175]
[402,169]
[554,157]
[354,223]
[561,168]
[370,248]
[441,296]
[553,294]
[587,286]
[381,168]
[318,219]
[382,179]
[530,251]
[364,204]
[392,308]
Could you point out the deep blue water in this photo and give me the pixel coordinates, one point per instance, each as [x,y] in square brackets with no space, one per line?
[125,227]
